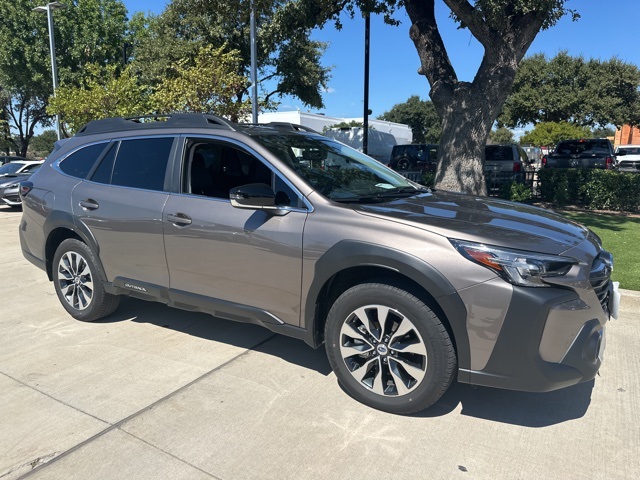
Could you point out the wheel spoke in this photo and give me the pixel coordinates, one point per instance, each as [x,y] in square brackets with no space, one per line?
[397,378]
[412,370]
[369,375]
[362,315]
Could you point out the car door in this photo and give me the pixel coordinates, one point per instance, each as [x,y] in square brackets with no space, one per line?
[233,262]
[121,204]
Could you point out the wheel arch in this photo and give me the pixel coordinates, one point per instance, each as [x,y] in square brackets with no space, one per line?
[59,227]
[349,263]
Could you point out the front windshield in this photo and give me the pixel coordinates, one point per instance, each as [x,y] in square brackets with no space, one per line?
[338,172]
[9,168]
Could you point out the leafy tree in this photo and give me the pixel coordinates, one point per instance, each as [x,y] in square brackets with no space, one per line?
[212,84]
[550,133]
[505,28]
[501,136]
[86,31]
[603,132]
[42,145]
[289,63]
[575,90]
[104,93]
[420,115]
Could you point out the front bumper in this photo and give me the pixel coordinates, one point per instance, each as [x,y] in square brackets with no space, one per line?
[550,339]
[10,196]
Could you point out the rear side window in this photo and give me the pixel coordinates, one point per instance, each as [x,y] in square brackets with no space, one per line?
[140,163]
[79,163]
[498,152]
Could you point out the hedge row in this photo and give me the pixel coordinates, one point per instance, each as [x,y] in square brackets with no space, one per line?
[590,188]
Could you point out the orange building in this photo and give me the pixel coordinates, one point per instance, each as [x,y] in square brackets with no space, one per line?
[627,135]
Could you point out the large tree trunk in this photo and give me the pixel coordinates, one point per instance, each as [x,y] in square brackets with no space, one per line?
[468,110]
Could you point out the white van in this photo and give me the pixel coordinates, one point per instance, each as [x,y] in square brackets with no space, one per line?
[379,143]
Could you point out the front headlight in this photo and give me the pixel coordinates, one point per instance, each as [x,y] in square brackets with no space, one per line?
[527,269]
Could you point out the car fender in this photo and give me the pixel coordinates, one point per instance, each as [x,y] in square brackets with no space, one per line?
[350,253]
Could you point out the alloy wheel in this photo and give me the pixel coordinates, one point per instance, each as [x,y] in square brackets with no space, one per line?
[383,350]
[75,280]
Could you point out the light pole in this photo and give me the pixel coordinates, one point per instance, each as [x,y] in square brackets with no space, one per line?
[49,7]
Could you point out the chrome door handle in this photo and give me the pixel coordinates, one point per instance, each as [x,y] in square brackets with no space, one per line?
[179,219]
[89,204]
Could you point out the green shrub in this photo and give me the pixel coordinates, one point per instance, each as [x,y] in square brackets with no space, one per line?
[516,192]
[591,188]
[428,179]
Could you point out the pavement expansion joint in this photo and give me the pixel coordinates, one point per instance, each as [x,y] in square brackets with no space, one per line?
[120,423]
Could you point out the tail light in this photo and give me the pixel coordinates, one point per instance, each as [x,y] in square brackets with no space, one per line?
[517,167]
[608,163]
[25,188]
[544,161]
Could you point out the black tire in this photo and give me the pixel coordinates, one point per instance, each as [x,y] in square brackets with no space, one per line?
[404,164]
[78,282]
[402,362]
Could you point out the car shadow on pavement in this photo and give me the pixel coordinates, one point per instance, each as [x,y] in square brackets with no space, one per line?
[533,410]
[208,327]
[526,409]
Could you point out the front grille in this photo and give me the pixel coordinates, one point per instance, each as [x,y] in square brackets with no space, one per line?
[600,278]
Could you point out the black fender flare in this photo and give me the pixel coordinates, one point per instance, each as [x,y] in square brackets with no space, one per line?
[350,253]
[60,219]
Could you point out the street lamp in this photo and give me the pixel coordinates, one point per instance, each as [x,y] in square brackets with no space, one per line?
[49,7]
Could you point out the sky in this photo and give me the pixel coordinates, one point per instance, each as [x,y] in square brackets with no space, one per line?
[606,29]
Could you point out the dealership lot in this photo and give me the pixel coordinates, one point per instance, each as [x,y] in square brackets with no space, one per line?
[155,392]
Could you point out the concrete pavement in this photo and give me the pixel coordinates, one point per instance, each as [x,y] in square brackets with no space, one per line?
[154,392]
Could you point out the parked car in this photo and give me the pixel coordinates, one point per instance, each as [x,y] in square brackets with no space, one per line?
[581,153]
[628,158]
[408,289]
[10,158]
[504,164]
[19,166]
[416,157]
[10,187]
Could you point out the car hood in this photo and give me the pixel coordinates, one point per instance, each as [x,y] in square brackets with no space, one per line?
[484,220]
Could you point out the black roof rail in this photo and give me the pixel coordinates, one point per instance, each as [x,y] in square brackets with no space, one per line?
[194,120]
[292,126]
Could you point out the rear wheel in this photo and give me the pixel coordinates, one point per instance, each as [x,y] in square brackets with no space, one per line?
[78,282]
[388,349]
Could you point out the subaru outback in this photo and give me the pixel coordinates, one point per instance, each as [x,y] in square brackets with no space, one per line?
[407,288]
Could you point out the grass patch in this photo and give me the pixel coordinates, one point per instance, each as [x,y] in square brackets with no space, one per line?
[620,235]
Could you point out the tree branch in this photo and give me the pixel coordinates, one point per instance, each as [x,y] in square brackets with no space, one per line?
[434,59]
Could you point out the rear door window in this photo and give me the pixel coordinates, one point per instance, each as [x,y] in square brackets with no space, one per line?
[138,163]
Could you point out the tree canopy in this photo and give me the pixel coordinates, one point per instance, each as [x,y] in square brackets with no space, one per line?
[289,62]
[86,31]
[571,89]
[420,115]
[550,133]
[505,28]
[501,136]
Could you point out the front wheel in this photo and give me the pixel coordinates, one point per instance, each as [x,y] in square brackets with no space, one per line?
[78,282]
[388,349]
